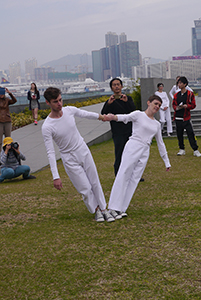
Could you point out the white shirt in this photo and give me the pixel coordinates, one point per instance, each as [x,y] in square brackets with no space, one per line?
[144,129]
[64,132]
[165,99]
[175,89]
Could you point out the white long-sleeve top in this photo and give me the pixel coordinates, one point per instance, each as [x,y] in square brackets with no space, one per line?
[165,99]
[144,129]
[175,89]
[65,134]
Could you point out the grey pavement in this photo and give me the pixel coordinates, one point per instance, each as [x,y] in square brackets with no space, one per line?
[32,145]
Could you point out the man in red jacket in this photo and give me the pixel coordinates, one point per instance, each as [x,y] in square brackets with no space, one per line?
[182,103]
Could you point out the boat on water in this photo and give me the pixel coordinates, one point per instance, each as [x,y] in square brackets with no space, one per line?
[89,85]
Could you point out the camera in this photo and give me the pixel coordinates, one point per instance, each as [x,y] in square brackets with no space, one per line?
[14,145]
[117,97]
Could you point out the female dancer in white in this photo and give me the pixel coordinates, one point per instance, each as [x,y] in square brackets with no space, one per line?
[164,111]
[136,152]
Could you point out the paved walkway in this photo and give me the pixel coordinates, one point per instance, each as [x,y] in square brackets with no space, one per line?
[32,145]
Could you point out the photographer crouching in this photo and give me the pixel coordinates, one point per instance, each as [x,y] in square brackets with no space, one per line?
[11,161]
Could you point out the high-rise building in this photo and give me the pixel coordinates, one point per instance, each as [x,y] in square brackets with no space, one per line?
[101,64]
[122,38]
[96,65]
[196,38]
[111,38]
[30,65]
[15,72]
[105,64]
[129,57]
[114,61]
[41,74]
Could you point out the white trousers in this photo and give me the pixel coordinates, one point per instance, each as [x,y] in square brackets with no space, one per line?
[165,116]
[133,163]
[81,169]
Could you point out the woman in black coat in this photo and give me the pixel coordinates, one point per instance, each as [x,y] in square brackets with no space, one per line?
[33,96]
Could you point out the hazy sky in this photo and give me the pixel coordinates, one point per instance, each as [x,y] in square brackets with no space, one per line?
[51,29]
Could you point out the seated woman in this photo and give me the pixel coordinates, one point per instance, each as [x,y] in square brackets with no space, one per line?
[10,161]
[136,153]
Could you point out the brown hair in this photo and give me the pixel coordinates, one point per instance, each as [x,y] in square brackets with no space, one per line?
[51,93]
[155,97]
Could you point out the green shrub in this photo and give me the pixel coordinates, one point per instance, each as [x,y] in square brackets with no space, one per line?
[136,95]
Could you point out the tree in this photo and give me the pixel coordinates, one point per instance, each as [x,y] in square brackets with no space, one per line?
[136,94]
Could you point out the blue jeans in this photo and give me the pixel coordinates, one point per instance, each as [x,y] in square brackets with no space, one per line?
[8,173]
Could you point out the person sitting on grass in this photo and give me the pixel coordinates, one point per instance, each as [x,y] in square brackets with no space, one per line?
[10,161]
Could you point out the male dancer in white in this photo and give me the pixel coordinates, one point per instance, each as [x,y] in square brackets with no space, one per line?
[164,110]
[136,152]
[77,159]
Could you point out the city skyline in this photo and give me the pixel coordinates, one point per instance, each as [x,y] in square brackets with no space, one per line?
[50,29]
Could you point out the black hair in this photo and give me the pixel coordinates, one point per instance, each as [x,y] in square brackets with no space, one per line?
[35,87]
[160,83]
[183,80]
[114,80]
[51,93]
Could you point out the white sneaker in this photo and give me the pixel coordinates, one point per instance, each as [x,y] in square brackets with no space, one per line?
[108,217]
[115,215]
[182,152]
[197,153]
[99,216]
[123,214]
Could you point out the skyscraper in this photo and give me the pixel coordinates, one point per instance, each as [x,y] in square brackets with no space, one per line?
[15,72]
[122,38]
[116,58]
[96,65]
[104,55]
[111,38]
[129,57]
[196,38]
[30,65]
[114,61]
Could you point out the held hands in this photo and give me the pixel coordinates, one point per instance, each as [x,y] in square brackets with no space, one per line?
[58,184]
[108,117]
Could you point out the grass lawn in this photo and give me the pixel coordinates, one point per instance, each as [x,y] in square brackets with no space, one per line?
[51,247]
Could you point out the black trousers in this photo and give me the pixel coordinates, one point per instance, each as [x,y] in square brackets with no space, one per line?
[180,126]
[119,143]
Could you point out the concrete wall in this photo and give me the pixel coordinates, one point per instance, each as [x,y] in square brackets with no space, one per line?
[149,87]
